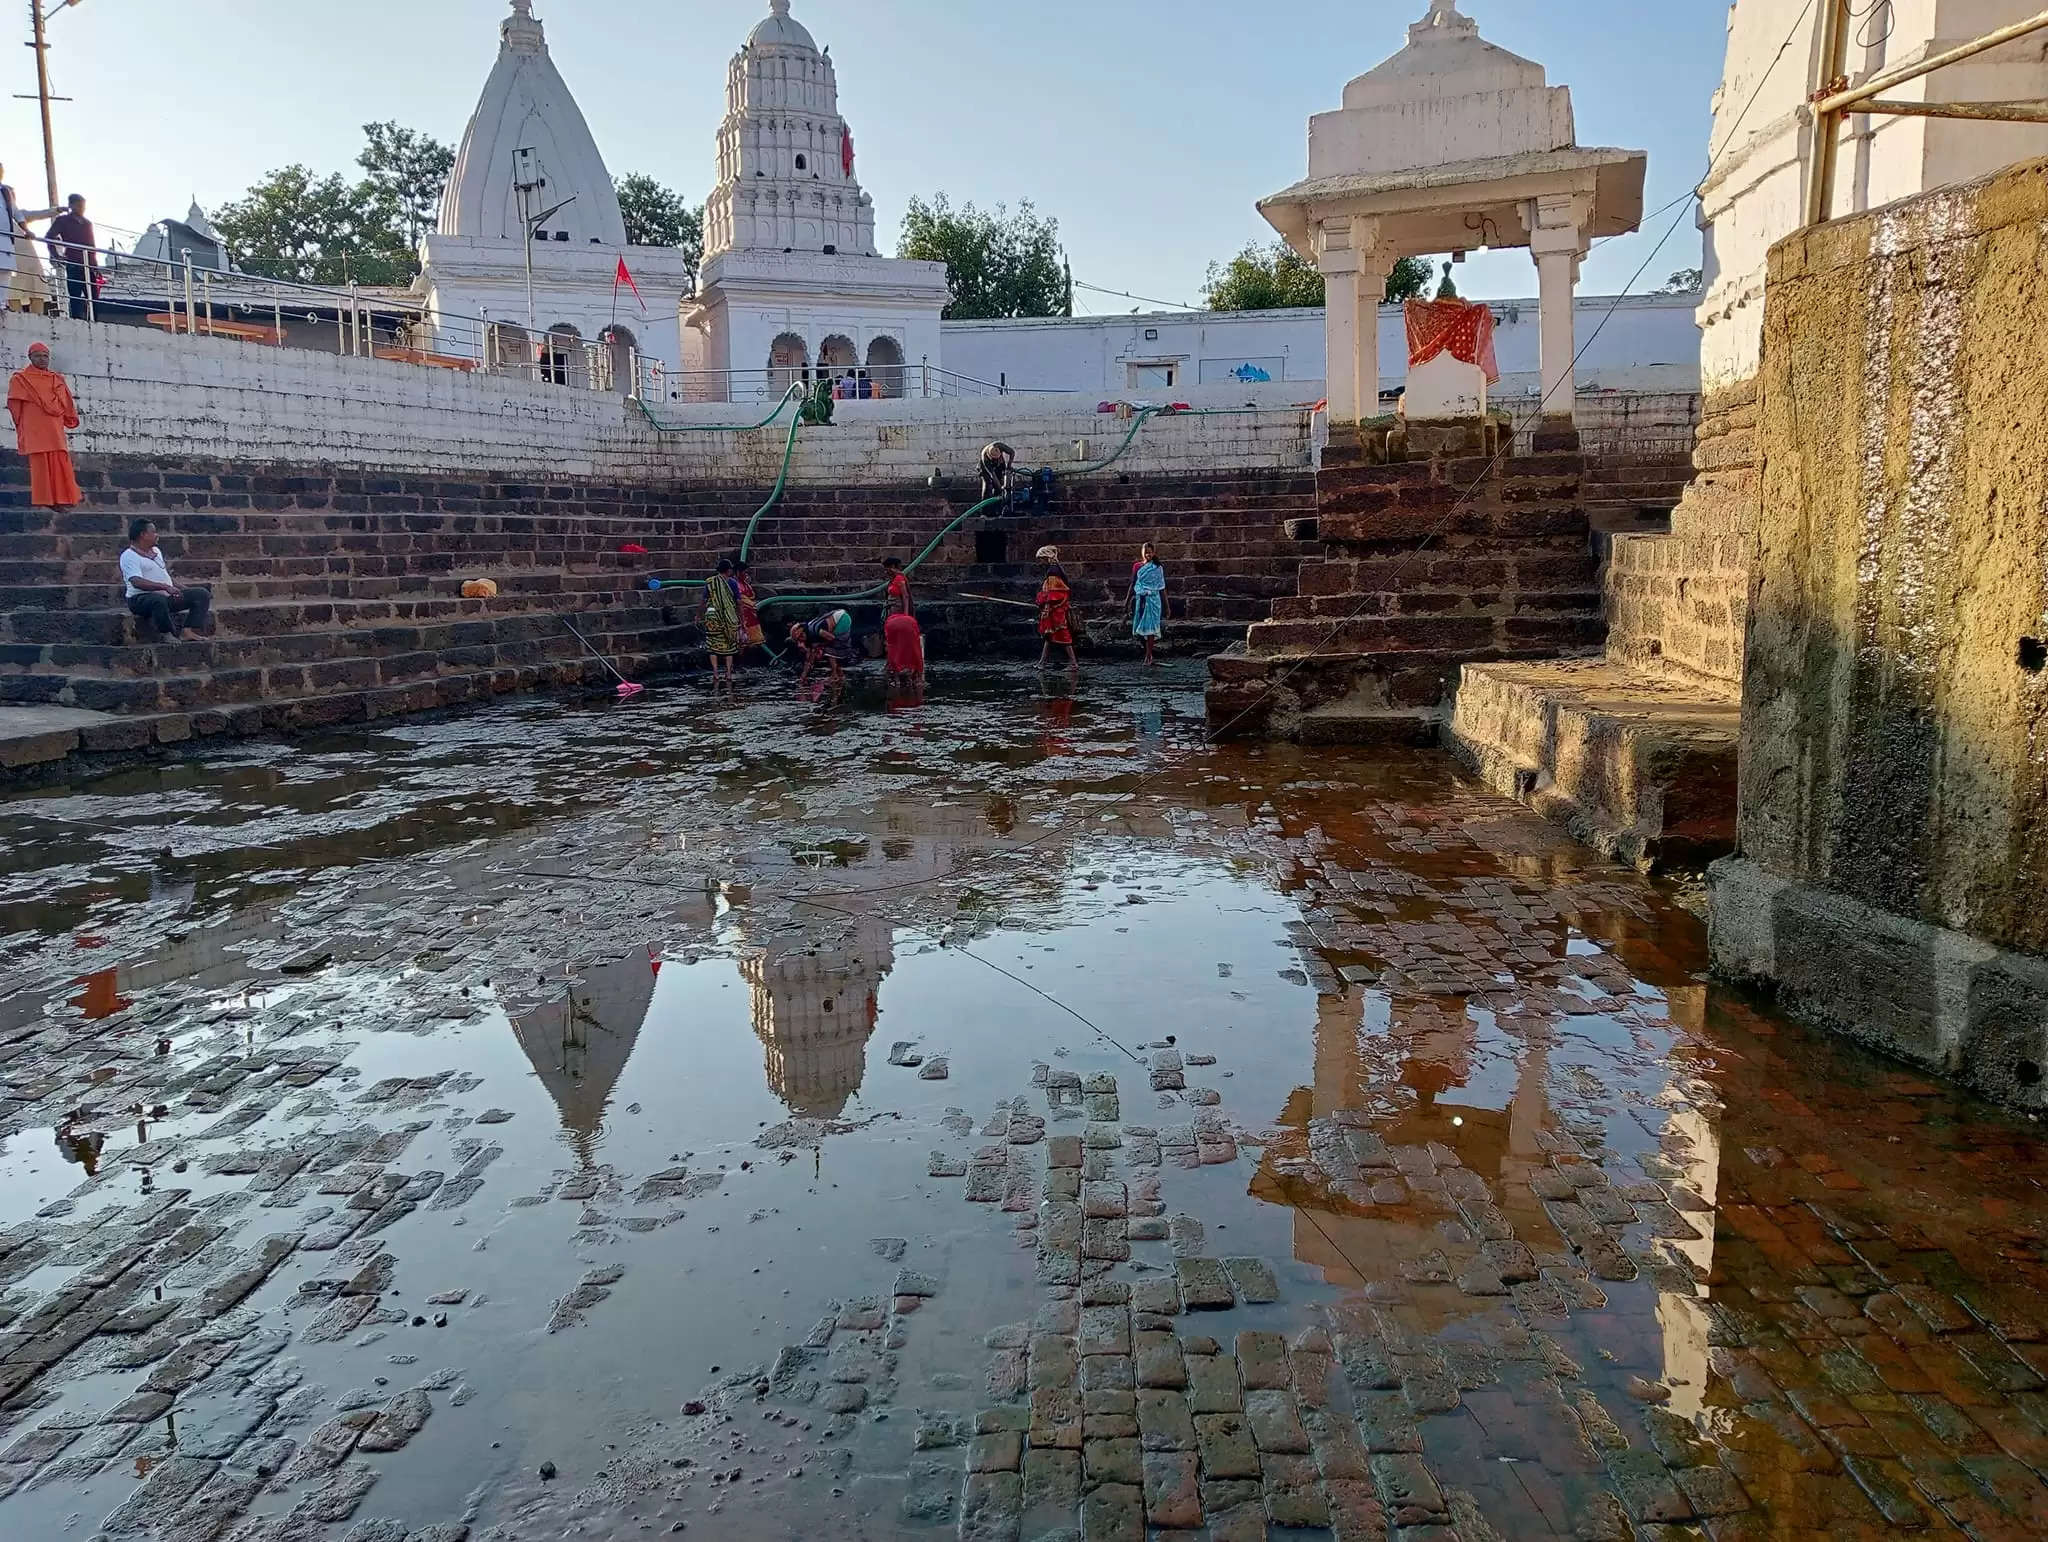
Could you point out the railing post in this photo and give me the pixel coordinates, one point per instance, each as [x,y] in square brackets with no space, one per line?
[191,300]
[206,288]
[277,313]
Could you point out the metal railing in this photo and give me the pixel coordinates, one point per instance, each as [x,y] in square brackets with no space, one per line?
[190,299]
[656,382]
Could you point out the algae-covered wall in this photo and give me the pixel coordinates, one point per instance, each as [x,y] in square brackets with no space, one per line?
[1895,702]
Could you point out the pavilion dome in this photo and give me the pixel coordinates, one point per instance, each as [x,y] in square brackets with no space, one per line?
[528,128]
[781,29]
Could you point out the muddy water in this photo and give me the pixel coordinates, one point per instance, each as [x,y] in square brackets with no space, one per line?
[582,1020]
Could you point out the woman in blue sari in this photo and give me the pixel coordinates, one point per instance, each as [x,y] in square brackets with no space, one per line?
[1148,600]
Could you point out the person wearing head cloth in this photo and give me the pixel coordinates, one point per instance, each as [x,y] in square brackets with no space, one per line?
[39,400]
[1055,597]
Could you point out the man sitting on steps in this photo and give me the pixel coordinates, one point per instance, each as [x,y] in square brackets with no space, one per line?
[152,595]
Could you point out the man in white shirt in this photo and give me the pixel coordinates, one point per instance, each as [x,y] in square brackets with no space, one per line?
[153,595]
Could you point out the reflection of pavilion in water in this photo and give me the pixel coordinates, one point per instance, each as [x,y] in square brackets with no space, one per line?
[1406,1060]
[815,1008]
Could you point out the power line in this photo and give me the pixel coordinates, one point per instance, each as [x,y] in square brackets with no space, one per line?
[1174,305]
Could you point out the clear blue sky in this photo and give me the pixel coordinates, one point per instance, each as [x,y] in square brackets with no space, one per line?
[1147,127]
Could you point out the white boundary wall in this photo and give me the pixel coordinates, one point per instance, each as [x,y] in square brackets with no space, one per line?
[145,393]
[1647,343]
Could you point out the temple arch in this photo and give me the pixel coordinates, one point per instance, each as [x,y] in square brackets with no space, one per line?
[789,360]
[885,365]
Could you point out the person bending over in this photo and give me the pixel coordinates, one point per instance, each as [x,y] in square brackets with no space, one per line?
[829,638]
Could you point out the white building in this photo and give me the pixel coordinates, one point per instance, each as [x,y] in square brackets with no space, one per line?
[793,287]
[1753,195]
[529,183]
[1641,343]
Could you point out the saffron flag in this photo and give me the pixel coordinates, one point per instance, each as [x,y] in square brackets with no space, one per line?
[846,150]
[625,276]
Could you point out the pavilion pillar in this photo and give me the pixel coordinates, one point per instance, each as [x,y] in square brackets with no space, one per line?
[1354,277]
[1557,242]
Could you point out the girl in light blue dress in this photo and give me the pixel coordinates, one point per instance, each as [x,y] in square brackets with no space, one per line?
[1148,600]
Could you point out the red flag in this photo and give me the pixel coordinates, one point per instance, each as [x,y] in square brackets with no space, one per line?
[846,149]
[625,276]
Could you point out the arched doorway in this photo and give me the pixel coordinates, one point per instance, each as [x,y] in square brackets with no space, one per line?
[616,359]
[563,363]
[789,361]
[885,366]
[837,358]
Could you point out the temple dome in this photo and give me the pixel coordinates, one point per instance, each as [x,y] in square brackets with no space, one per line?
[527,127]
[780,29]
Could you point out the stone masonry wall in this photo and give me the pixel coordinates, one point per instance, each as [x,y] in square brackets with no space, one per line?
[149,395]
[1894,780]
[1677,604]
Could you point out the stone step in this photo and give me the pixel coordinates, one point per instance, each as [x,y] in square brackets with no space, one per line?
[1455,565]
[1637,765]
[1364,726]
[1410,634]
[1252,696]
[206,682]
[1583,600]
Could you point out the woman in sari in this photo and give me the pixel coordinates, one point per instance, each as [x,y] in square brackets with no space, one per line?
[1148,599]
[722,621]
[1055,597]
[751,634]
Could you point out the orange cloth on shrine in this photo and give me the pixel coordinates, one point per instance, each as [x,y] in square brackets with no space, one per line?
[41,405]
[1463,328]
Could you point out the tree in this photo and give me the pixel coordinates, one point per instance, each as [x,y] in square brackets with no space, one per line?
[1277,277]
[297,225]
[408,171]
[999,264]
[659,216]
[1685,281]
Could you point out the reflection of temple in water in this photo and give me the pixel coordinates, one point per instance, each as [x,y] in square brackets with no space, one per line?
[580,1042]
[815,1010]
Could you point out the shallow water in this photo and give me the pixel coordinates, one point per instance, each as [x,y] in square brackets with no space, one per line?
[1602,1245]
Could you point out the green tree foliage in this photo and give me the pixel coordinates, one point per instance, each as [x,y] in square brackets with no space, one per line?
[998,263]
[1276,277]
[296,224]
[408,172]
[660,216]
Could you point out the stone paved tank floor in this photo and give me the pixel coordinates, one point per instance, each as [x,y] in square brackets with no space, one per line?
[493,1122]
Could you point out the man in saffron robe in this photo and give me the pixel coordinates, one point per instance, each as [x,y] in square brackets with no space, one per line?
[40,402]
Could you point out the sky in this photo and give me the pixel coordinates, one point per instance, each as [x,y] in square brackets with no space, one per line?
[1147,128]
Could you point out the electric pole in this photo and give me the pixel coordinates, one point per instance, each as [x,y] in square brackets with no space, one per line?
[39,23]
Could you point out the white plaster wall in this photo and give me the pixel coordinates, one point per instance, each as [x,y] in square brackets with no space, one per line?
[146,393]
[1648,343]
[1753,196]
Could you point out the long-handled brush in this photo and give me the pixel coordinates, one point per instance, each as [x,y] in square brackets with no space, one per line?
[990,599]
[627,689]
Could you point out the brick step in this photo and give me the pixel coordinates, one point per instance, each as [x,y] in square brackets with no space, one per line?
[24,606]
[1487,565]
[205,687]
[326,709]
[1410,634]
[162,657]
[1441,602]
[612,521]
[273,618]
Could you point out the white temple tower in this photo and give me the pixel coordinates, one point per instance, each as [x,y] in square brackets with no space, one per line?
[793,287]
[528,163]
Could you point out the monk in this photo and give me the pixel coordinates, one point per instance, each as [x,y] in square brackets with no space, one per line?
[40,402]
